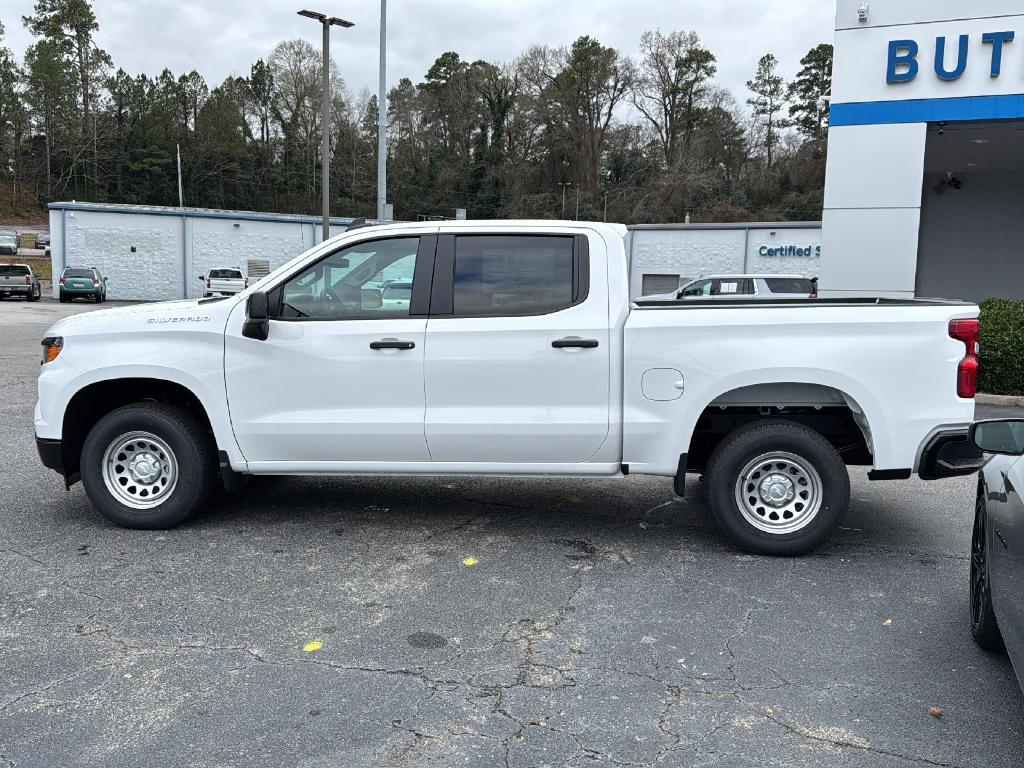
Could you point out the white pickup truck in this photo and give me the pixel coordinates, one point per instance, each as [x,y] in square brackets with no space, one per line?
[517,352]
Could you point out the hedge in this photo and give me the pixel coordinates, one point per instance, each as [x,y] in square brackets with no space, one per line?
[1002,347]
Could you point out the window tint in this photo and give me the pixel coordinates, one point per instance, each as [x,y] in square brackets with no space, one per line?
[498,275]
[702,288]
[79,273]
[225,274]
[789,285]
[10,270]
[367,281]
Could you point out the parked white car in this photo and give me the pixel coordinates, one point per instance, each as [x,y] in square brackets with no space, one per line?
[761,287]
[224,281]
[518,353]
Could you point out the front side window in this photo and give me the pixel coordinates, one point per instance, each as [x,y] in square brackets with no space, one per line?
[504,275]
[702,288]
[367,281]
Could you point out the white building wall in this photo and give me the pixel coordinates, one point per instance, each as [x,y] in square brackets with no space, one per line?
[697,251]
[157,254]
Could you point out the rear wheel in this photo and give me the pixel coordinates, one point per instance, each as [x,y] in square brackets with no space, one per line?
[777,488]
[984,628]
[36,294]
[148,465]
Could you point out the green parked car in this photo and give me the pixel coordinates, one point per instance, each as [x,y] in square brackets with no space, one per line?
[82,283]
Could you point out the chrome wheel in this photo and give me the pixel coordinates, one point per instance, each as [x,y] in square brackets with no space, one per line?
[140,470]
[779,492]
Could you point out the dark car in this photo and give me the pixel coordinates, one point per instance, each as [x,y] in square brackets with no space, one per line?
[997,549]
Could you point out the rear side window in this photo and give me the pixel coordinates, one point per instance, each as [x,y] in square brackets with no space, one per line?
[11,270]
[733,287]
[225,274]
[789,285]
[78,273]
[504,275]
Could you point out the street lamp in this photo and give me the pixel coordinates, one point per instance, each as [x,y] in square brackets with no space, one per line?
[327,22]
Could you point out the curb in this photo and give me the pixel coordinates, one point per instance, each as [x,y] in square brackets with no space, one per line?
[1005,400]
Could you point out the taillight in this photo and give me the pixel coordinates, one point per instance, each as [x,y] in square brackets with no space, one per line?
[95,281]
[969,332]
[208,283]
[28,279]
[62,279]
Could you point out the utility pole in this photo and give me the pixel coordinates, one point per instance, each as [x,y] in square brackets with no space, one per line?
[563,185]
[382,116]
[327,22]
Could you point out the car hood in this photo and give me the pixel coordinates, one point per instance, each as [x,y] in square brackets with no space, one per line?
[165,314]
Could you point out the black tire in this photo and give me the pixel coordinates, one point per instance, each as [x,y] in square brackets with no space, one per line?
[735,455]
[36,295]
[63,299]
[190,444]
[984,628]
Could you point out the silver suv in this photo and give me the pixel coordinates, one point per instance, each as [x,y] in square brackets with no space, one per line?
[744,287]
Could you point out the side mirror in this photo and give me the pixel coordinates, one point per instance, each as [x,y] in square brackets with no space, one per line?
[257,317]
[201,278]
[1005,436]
[341,263]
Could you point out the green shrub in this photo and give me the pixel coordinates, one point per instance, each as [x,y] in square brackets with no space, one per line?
[1002,347]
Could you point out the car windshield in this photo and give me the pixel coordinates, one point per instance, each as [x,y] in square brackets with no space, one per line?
[225,274]
[78,273]
[13,270]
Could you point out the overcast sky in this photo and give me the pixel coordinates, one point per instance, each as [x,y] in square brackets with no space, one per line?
[224,37]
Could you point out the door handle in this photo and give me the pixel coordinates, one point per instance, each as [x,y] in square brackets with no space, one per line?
[392,344]
[575,344]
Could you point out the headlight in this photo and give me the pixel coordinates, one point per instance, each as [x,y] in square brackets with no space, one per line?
[52,346]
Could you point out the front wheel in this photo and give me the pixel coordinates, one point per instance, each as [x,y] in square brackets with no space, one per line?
[777,488]
[148,465]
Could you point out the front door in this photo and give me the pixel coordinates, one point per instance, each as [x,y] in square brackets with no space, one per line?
[518,356]
[340,378]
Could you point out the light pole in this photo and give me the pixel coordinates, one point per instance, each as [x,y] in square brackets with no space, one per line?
[563,185]
[327,22]
[382,116]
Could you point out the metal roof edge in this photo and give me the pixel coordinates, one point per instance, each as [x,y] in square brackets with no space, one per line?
[737,226]
[201,213]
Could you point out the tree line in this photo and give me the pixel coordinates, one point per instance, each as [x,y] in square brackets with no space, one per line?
[582,130]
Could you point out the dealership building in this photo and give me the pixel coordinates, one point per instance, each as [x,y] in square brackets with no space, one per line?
[924,191]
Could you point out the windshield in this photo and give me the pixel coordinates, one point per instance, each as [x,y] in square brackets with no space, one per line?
[225,274]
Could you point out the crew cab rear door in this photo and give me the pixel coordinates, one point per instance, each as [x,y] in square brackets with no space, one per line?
[517,365]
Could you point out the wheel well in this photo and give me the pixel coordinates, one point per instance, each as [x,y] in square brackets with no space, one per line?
[92,403]
[825,410]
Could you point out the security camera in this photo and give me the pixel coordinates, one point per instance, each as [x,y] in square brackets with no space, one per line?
[863,11]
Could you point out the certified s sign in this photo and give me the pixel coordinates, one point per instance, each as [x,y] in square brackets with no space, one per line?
[904,56]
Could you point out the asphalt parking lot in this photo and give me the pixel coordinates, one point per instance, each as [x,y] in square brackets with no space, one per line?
[441,622]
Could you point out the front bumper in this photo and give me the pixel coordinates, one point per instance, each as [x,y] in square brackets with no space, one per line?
[950,454]
[51,453]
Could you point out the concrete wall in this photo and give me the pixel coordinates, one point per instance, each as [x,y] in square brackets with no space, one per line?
[692,252]
[972,239]
[157,254]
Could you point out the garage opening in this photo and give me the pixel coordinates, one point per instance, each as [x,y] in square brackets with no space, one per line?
[972,214]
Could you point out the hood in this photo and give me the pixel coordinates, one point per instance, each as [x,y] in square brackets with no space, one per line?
[165,314]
